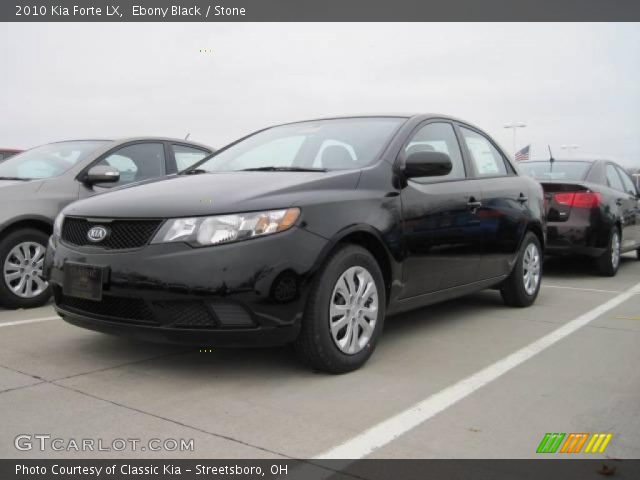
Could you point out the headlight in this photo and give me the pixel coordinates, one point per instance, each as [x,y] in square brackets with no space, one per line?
[57,225]
[203,231]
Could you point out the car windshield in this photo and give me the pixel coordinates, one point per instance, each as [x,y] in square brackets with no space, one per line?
[48,160]
[336,144]
[557,170]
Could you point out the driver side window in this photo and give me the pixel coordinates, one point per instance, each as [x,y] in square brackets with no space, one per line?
[439,137]
[140,161]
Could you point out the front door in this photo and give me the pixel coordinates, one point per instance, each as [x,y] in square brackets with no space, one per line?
[630,209]
[135,162]
[440,226]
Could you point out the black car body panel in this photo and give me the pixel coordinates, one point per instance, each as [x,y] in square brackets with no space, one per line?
[431,240]
[584,227]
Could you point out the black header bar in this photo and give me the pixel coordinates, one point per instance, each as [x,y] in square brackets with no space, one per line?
[317,10]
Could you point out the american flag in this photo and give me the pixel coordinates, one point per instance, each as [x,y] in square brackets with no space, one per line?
[522,155]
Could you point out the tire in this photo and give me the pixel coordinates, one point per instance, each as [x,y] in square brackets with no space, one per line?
[10,265]
[316,345]
[608,263]
[520,290]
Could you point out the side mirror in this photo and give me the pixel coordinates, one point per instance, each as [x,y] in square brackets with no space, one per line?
[427,164]
[102,174]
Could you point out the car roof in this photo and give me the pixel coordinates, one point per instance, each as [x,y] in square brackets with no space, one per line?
[415,117]
[576,160]
[164,139]
[136,139]
[381,115]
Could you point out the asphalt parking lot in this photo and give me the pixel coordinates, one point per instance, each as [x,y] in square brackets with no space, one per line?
[420,396]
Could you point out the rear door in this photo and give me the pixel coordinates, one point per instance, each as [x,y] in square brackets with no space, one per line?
[441,231]
[630,210]
[504,213]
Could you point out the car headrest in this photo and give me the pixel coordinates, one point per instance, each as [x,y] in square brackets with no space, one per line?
[336,156]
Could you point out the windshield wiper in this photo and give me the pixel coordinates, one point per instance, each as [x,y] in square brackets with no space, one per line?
[195,171]
[283,169]
[16,178]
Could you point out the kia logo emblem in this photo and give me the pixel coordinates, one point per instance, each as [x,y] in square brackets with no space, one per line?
[97,233]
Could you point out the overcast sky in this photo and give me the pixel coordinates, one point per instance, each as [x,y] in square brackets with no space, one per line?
[570,83]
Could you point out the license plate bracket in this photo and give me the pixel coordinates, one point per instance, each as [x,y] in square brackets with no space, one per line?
[83,281]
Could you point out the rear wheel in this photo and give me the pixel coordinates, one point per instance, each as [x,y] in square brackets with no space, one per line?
[521,288]
[22,258]
[609,262]
[344,314]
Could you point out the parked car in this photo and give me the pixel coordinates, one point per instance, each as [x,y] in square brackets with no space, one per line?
[37,184]
[309,233]
[8,152]
[593,209]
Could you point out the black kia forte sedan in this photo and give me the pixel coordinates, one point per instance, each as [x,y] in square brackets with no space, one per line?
[593,209]
[307,233]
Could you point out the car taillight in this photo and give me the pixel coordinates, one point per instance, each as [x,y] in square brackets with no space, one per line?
[578,199]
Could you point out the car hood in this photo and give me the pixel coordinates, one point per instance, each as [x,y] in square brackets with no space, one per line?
[215,193]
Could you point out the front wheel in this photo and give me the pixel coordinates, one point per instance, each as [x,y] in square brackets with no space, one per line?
[609,262]
[521,287]
[345,312]
[22,258]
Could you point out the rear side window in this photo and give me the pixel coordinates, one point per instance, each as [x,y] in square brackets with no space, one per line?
[439,137]
[186,156]
[629,187]
[613,179]
[486,158]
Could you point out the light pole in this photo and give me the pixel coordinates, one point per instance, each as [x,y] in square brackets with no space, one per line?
[514,126]
[569,148]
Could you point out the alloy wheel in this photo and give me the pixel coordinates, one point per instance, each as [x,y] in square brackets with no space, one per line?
[353,311]
[23,270]
[615,250]
[531,269]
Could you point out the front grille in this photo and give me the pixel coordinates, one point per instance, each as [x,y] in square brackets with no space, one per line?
[122,234]
[186,314]
[125,309]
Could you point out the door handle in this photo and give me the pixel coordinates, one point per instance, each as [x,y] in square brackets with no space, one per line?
[522,198]
[619,202]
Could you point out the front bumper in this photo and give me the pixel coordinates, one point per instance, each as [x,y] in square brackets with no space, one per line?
[250,293]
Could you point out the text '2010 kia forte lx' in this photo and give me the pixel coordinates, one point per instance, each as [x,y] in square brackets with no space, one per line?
[306,233]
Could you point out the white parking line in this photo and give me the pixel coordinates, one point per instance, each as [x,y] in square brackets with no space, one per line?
[31,320]
[390,429]
[580,289]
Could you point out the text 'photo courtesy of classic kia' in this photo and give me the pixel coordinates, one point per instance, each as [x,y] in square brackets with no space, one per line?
[37,184]
[308,233]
